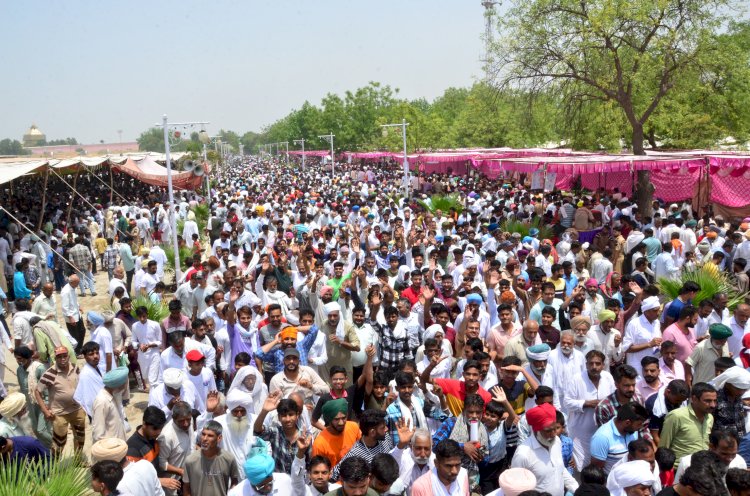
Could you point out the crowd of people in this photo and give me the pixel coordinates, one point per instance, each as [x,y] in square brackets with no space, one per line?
[328,336]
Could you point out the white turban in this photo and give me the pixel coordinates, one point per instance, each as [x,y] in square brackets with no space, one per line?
[736,376]
[431,331]
[253,299]
[650,303]
[236,398]
[331,307]
[12,404]
[335,307]
[173,378]
[629,474]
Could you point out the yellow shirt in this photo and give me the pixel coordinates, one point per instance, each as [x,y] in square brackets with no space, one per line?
[101,245]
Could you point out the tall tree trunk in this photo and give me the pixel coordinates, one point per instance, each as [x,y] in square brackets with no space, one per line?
[644,189]
[72,197]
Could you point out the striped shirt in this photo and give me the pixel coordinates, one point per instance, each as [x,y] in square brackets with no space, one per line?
[61,387]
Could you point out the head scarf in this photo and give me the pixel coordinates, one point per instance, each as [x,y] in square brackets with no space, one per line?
[650,303]
[541,416]
[116,377]
[333,408]
[607,315]
[259,467]
[538,352]
[590,282]
[288,332]
[237,398]
[514,481]
[110,448]
[432,331]
[629,474]
[719,331]
[576,321]
[95,318]
[259,392]
[173,378]
[12,404]
[331,307]
[736,376]
[326,290]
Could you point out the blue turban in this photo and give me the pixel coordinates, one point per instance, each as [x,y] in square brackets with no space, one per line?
[259,467]
[474,298]
[533,231]
[493,227]
[116,377]
[527,239]
[95,318]
[538,352]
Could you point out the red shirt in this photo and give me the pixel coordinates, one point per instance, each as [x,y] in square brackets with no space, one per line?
[455,394]
[411,294]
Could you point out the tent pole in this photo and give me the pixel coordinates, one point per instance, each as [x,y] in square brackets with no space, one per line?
[111,185]
[44,201]
[70,206]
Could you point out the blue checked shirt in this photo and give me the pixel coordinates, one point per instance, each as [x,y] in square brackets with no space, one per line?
[275,357]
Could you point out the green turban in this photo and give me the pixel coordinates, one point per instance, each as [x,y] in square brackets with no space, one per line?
[607,315]
[333,408]
[719,331]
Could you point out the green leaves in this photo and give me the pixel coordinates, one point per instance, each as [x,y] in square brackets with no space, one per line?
[710,280]
[58,477]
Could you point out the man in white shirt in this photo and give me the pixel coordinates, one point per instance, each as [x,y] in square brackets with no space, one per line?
[664,265]
[157,254]
[643,333]
[72,312]
[541,453]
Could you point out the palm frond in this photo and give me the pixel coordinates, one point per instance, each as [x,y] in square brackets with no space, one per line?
[711,281]
[157,311]
[523,228]
[444,203]
[53,477]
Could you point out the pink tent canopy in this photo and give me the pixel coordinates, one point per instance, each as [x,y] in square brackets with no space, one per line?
[311,153]
[149,172]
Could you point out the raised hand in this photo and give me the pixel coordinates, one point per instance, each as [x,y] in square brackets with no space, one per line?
[303,444]
[635,288]
[405,430]
[272,401]
[212,400]
[498,394]
[428,293]
[370,350]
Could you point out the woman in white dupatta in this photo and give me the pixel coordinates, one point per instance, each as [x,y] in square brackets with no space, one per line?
[249,380]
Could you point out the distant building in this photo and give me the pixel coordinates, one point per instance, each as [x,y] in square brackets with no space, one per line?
[33,137]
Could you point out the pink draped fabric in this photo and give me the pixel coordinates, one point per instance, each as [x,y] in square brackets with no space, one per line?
[609,181]
[456,168]
[732,190]
[671,185]
[564,182]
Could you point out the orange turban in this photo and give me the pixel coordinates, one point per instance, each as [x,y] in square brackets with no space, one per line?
[288,332]
[508,297]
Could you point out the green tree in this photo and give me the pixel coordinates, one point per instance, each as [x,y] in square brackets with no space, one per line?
[632,53]
[152,140]
[12,147]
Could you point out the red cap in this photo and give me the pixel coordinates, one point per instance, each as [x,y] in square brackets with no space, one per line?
[194,356]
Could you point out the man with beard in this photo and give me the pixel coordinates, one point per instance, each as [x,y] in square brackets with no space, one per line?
[339,436]
[272,353]
[448,477]
[610,441]
[607,339]
[566,363]
[625,392]
[342,341]
[90,379]
[542,372]
[236,424]
[650,381]
[296,377]
[642,334]
[405,407]
[15,419]
[174,388]
[148,280]
[529,336]
[416,460]
[139,477]
[542,453]
[582,395]
[209,471]
[686,429]
[176,442]
[108,418]
[60,382]
[699,367]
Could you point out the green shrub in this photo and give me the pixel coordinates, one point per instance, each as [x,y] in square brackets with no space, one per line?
[443,203]
[66,476]
[523,228]
[157,311]
[710,280]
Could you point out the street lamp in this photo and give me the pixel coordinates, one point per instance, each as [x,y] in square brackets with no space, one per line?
[329,137]
[407,179]
[172,220]
[303,149]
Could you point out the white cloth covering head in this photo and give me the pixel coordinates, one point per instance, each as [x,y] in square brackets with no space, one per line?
[433,330]
[259,393]
[173,378]
[736,376]
[650,303]
[514,481]
[629,474]
[237,398]
[331,307]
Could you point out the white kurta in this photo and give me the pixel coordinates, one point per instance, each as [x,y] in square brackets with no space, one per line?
[148,333]
[639,331]
[281,485]
[237,445]
[89,384]
[140,479]
[547,466]
[160,398]
[564,369]
[581,421]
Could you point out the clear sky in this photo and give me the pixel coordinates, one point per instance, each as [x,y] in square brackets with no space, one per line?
[85,69]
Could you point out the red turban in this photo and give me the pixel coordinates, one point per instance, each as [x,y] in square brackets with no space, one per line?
[541,416]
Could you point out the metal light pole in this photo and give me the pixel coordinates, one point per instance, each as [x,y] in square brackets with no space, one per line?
[303,150]
[329,137]
[407,174]
[286,144]
[172,220]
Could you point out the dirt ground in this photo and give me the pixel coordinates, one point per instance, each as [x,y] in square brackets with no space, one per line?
[138,400]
